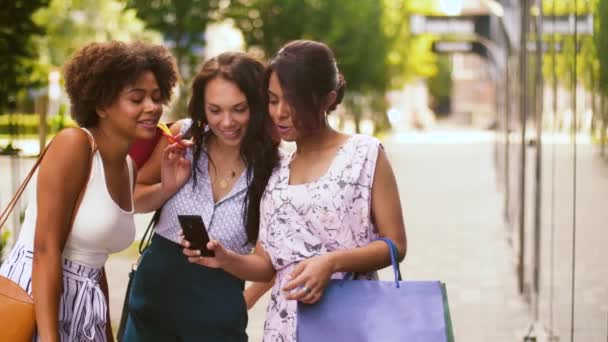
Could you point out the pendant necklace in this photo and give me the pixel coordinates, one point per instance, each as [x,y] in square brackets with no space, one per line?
[223,182]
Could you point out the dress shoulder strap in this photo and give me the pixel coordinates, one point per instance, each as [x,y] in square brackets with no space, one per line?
[91,138]
[130,167]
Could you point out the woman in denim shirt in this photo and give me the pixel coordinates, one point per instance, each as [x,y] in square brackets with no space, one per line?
[221,178]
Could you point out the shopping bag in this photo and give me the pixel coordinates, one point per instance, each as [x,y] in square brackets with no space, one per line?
[379,311]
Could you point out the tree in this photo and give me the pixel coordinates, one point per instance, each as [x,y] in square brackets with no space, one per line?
[410,57]
[440,86]
[601,42]
[17,51]
[352,29]
[182,24]
[71,24]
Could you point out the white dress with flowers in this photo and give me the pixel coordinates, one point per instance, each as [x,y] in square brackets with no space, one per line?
[302,221]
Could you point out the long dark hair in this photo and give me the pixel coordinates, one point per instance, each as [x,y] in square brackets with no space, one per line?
[308,72]
[258,149]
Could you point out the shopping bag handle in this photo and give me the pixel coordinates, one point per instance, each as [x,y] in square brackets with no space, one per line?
[393,253]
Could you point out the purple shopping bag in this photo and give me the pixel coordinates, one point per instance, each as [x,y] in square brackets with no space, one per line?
[383,311]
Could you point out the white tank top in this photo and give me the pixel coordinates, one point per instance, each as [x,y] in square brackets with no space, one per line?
[101,226]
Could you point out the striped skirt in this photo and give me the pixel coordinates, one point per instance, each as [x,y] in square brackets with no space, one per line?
[82,306]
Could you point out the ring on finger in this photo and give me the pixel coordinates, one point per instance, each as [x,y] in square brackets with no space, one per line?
[305,289]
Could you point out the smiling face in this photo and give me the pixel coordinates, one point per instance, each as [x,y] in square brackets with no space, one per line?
[136,110]
[227,111]
[281,112]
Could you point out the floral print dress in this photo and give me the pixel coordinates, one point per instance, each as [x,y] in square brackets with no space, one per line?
[302,221]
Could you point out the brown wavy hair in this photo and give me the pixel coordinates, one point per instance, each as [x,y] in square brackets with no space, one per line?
[258,149]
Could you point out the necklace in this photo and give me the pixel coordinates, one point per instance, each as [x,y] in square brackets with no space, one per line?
[223,181]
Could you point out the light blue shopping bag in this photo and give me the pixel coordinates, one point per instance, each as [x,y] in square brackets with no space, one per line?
[379,311]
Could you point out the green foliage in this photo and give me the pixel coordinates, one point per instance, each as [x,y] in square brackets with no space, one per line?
[370,38]
[17,49]
[561,7]
[71,24]
[440,86]
[27,124]
[4,235]
[353,29]
[182,24]
[409,57]
[587,61]
[601,44]
[428,7]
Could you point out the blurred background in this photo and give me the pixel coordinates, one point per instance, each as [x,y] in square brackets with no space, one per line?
[494,115]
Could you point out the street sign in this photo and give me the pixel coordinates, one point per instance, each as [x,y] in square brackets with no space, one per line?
[460,47]
[463,26]
[420,24]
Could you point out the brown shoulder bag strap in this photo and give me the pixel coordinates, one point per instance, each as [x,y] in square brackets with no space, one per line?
[13,202]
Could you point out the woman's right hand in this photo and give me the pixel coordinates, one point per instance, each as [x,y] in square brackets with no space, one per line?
[222,256]
[175,168]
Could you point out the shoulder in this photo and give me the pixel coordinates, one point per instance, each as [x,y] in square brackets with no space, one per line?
[363,140]
[73,140]
[366,152]
[72,135]
[67,154]
[363,147]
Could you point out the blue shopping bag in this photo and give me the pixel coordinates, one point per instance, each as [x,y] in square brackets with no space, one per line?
[382,311]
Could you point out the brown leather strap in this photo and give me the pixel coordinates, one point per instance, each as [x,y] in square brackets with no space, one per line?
[15,199]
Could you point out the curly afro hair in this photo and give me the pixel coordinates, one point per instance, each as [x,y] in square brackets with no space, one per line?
[95,75]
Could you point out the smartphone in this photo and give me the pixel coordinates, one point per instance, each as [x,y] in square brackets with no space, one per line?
[196,233]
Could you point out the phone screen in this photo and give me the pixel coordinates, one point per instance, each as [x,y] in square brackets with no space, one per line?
[195,232]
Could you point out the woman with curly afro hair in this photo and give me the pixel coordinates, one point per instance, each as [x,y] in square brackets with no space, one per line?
[117,91]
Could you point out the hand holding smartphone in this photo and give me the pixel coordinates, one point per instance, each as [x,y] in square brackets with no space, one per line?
[195,232]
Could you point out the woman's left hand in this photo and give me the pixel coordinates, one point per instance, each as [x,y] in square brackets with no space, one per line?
[309,279]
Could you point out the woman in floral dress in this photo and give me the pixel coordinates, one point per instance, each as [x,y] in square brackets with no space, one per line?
[325,204]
